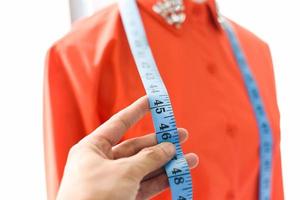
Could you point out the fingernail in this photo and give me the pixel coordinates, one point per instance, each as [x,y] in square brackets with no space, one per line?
[183,134]
[193,160]
[168,147]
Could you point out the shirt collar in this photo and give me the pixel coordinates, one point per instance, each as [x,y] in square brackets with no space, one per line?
[211,4]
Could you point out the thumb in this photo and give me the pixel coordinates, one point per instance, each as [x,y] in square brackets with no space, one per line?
[152,158]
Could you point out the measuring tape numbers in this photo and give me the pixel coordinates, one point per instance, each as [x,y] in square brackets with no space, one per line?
[177,169]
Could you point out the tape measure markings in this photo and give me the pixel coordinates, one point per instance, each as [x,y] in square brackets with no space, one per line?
[163,118]
[265,132]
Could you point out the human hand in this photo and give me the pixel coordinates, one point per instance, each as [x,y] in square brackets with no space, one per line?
[98,168]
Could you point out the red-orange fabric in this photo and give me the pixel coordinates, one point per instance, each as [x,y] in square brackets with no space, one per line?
[90,75]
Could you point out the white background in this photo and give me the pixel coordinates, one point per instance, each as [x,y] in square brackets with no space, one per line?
[28,28]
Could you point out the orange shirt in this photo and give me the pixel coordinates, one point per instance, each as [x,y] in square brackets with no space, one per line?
[91,74]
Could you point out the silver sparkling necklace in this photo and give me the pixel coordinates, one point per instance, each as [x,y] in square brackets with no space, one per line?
[171,10]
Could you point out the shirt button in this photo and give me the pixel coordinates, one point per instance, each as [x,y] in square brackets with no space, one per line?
[231,130]
[195,11]
[211,68]
[230,195]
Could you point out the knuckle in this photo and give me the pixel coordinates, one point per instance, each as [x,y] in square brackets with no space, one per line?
[120,119]
[103,144]
[132,144]
[164,152]
[153,153]
[128,147]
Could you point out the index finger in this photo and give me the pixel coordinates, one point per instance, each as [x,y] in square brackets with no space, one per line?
[113,129]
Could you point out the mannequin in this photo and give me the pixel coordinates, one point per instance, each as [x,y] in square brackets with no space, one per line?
[80,9]
[90,75]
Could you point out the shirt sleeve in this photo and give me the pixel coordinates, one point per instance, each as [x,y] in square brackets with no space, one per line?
[71,103]
[76,98]
[63,124]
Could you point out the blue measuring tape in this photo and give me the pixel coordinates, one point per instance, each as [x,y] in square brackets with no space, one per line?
[265,132]
[177,169]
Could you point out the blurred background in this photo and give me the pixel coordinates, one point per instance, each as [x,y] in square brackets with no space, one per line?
[27,30]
